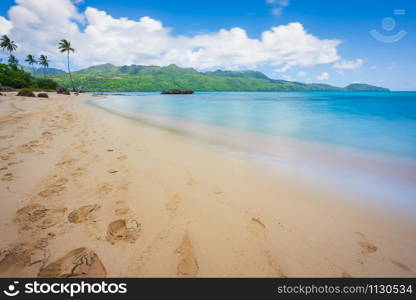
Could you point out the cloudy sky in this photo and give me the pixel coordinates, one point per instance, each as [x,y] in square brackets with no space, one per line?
[303,40]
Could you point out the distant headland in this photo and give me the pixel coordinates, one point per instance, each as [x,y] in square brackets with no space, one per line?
[111,78]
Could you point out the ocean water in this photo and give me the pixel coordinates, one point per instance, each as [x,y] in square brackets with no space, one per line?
[377,121]
[361,141]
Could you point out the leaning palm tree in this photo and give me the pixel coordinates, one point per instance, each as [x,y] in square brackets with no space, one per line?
[65,46]
[7,44]
[31,60]
[44,62]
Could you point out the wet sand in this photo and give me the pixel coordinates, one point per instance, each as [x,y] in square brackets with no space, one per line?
[78,184]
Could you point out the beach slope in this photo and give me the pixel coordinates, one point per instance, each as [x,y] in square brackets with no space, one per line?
[136,201]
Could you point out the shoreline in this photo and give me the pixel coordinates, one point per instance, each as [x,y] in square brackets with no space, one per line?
[347,168]
[199,212]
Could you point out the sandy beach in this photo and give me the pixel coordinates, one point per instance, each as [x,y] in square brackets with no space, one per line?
[139,201]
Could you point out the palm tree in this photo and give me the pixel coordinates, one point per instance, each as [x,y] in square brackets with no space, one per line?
[44,62]
[13,61]
[7,44]
[31,60]
[65,46]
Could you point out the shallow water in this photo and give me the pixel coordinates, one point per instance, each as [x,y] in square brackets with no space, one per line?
[364,142]
[377,121]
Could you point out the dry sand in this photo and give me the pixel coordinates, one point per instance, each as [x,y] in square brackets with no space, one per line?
[88,193]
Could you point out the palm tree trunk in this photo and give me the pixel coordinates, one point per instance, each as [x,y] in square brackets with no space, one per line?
[70,76]
[11,55]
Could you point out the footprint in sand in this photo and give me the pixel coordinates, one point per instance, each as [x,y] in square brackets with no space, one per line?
[5,157]
[105,188]
[55,188]
[30,213]
[121,230]
[47,135]
[82,214]
[7,177]
[400,265]
[121,208]
[366,246]
[188,265]
[174,203]
[274,265]
[123,157]
[112,171]
[65,162]
[259,228]
[36,212]
[29,147]
[14,259]
[78,263]
[258,222]
[78,172]
[53,217]
[17,257]
[12,163]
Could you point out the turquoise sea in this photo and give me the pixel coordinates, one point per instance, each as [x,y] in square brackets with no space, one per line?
[377,121]
[368,139]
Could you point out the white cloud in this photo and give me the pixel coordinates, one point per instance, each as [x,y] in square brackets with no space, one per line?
[277,11]
[283,69]
[323,76]
[301,74]
[287,77]
[279,5]
[5,26]
[349,65]
[38,25]
[284,3]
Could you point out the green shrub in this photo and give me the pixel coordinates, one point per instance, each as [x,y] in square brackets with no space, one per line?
[15,78]
[46,84]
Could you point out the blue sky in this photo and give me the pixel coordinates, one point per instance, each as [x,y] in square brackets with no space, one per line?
[361,57]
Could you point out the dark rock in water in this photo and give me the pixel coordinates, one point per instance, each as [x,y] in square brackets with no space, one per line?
[62,90]
[177,92]
[1,94]
[43,95]
[26,93]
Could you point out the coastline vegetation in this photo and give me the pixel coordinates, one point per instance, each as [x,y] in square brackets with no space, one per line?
[14,76]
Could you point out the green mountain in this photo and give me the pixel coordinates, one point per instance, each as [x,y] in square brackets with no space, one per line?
[108,77]
[364,87]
